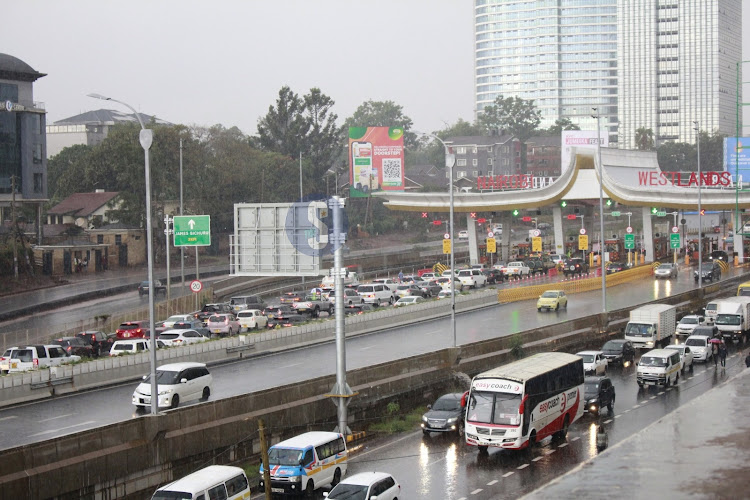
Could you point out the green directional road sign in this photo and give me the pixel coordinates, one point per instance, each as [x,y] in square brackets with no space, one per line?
[615,214]
[674,240]
[661,213]
[629,241]
[192,230]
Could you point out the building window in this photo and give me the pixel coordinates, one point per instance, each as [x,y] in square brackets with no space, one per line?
[99,239]
[39,183]
[461,150]
[476,173]
[475,162]
[489,161]
[490,173]
[36,121]
[461,173]
[118,239]
[474,150]
[489,149]
[461,162]
[37,153]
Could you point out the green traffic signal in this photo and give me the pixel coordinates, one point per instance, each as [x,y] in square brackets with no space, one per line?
[563,203]
[515,212]
[654,210]
[609,203]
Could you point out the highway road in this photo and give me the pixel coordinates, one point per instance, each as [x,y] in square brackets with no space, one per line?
[42,420]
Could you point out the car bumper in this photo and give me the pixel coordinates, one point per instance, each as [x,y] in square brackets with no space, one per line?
[142,400]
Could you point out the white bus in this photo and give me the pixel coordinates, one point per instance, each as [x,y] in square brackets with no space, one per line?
[214,481]
[517,405]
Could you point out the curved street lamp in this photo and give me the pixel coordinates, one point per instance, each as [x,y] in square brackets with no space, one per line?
[146,138]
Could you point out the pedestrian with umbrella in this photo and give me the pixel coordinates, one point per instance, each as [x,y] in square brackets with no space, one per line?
[715,350]
[723,354]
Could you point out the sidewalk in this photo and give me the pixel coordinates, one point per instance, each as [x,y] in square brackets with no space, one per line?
[700,450]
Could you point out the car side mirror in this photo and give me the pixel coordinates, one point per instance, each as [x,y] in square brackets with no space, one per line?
[183,381]
[429,407]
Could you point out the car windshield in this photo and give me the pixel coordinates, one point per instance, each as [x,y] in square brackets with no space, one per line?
[612,346]
[348,492]
[24,355]
[665,267]
[284,456]
[587,358]
[494,408]
[164,377]
[447,404]
[696,342]
[216,319]
[403,287]
[652,361]
[727,319]
[591,388]
[365,289]
[689,321]
[247,314]
[549,295]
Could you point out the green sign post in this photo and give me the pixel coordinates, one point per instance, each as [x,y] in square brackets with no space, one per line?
[192,230]
[674,240]
[629,241]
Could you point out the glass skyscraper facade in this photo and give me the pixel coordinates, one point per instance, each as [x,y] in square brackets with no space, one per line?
[658,64]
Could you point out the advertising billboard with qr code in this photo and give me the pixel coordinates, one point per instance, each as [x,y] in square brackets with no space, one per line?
[376,160]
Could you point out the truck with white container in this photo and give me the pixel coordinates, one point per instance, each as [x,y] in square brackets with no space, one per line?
[733,318]
[351,278]
[651,325]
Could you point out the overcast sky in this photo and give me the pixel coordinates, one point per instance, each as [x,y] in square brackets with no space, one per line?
[223,62]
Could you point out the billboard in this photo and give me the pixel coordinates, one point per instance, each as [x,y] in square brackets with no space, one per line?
[580,139]
[736,156]
[376,160]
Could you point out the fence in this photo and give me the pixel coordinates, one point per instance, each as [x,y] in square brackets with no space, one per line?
[105,323]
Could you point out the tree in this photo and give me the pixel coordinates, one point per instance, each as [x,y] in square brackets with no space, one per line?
[644,139]
[324,140]
[560,125]
[284,128]
[676,157]
[66,172]
[513,115]
[382,114]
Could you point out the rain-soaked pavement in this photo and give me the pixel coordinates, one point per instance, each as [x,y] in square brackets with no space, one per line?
[700,450]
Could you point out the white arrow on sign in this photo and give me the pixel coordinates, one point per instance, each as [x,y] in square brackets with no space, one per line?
[191,223]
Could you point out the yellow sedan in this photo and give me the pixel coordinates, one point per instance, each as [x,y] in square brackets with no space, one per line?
[552,299]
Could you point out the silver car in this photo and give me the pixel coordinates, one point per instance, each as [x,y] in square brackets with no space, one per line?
[666,271]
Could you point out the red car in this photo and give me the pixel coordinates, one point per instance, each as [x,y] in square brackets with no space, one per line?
[133,330]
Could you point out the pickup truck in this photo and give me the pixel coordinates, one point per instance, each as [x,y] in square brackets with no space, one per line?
[314,304]
[516,270]
[158,288]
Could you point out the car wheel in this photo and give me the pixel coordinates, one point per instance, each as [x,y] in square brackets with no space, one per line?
[667,382]
[539,309]
[460,430]
[557,306]
[377,303]
[206,394]
[175,401]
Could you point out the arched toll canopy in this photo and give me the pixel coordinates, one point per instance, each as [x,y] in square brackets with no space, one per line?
[632,178]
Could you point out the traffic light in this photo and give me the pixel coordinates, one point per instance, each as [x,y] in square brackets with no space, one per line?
[654,210]
[516,212]
[437,222]
[609,203]
[424,215]
[563,203]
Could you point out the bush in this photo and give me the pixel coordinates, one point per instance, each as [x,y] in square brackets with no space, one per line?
[516,346]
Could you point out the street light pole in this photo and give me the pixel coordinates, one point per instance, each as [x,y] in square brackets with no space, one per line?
[700,217]
[146,138]
[601,211]
[182,247]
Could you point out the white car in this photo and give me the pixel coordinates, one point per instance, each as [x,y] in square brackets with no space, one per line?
[686,356]
[516,269]
[594,362]
[700,347]
[408,301]
[375,293]
[429,277]
[177,318]
[366,485]
[252,319]
[173,338]
[176,383]
[32,357]
[132,346]
[463,235]
[688,323]
[444,294]
[351,297]
[388,283]
[474,278]
[556,258]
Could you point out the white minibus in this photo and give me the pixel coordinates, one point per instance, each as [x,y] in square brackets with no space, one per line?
[214,481]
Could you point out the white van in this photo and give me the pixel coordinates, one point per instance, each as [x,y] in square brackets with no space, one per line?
[658,367]
[472,277]
[214,481]
[306,462]
[375,293]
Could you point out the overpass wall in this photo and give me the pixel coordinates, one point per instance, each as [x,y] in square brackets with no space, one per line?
[130,459]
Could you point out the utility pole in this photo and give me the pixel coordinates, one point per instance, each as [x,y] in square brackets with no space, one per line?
[13,226]
[264,457]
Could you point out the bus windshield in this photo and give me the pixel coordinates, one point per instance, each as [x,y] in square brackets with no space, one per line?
[494,408]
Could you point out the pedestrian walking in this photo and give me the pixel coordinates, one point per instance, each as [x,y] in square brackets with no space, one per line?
[747,360]
[400,276]
[715,352]
[723,353]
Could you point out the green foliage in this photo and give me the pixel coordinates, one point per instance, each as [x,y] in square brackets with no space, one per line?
[382,114]
[516,116]
[560,125]
[644,139]
[393,408]
[395,422]
[516,346]
[683,157]
[284,128]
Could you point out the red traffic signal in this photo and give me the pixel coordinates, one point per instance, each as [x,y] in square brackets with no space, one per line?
[526,218]
[473,215]
[481,220]
[437,222]
[571,216]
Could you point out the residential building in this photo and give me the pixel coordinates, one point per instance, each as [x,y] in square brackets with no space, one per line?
[543,156]
[23,155]
[85,210]
[478,156]
[658,64]
[89,128]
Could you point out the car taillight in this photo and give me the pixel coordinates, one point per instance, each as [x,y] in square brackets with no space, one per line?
[69,348]
[36,362]
[139,331]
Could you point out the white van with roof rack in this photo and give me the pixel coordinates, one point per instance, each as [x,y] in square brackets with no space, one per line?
[214,481]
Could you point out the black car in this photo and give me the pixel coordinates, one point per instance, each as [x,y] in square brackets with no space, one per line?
[430,288]
[615,267]
[619,351]
[278,310]
[575,266]
[100,342]
[535,266]
[75,345]
[446,415]
[143,287]
[211,309]
[719,255]
[710,271]
[598,393]
[289,297]
[493,276]
[286,320]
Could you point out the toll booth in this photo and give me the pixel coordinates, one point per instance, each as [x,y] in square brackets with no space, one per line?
[614,249]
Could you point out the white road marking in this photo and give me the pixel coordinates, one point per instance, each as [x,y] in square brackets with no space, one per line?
[8,418]
[626,411]
[652,397]
[662,392]
[479,490]
[609,421]
[54,418]
[366,347]
[520,467]
[290,366]
[508,473]
[563,445]
[618,416]
[576,438]
[636,406]
[536,459]
[492,482]
[550,452]
[63,428]
[431,332]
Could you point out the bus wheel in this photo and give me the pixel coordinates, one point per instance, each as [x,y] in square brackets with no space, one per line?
[532,439]
[564,431]
[310,489]
[336,478]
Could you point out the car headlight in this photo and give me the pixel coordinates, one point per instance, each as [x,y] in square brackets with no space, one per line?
[295,479]
[424,419]
[594,401]
[452,420]
[164,392]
